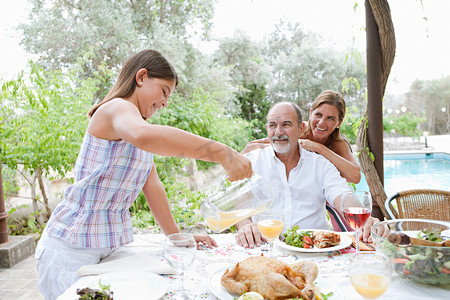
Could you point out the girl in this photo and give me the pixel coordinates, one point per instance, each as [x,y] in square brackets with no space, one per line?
[322,135]
[114,164]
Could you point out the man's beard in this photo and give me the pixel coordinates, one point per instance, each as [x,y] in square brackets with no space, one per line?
[278,147]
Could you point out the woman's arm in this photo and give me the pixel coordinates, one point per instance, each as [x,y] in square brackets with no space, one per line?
[340,156]
[256,144]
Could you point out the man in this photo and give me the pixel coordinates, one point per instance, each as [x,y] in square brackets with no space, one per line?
[302,181]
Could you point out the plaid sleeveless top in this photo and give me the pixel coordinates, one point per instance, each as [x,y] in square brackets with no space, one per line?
[108,178]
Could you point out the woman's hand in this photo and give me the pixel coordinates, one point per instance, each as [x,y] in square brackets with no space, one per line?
[205,240]
[310,145]
[256,144]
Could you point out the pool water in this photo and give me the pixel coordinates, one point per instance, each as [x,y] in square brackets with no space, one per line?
[413,171]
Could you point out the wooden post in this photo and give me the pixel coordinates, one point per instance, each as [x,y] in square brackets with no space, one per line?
[3,214]
[374,101]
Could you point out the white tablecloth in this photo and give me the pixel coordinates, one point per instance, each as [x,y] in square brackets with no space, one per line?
[332,269]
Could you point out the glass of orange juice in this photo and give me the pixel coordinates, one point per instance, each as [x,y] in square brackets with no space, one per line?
[270,223]
[370,274]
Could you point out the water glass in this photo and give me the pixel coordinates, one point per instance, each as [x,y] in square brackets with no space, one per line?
[179,251]
[370,274]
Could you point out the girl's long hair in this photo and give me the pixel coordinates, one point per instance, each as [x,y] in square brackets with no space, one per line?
[157,67]
[332,98]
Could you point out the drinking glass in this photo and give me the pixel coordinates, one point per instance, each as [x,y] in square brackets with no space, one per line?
[356,207]
[179,251]
[270,223]
[370,274]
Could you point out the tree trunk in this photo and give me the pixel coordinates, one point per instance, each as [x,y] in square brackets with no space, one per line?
[37,216]
[3,213]
[44,194]
[380,57]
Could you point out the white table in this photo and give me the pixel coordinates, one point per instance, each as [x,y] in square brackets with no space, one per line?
[332,269]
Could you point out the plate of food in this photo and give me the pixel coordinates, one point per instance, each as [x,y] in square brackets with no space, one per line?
[313,240]
[123,285]
[321,287]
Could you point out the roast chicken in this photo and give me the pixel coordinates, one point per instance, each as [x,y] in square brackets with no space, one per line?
[272,278]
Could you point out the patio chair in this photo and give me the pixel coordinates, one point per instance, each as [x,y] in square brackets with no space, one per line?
[420,204]
[337,220]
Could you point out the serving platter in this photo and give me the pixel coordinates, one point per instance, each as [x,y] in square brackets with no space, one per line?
[221,293]
[346,241]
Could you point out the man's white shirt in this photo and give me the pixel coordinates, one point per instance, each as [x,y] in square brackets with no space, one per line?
[312,183]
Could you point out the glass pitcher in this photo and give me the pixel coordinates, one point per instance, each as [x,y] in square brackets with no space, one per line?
[239,200]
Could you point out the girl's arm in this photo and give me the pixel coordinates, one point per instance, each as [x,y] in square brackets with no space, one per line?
[340,156]
[157,200]
[156,197]
[120,119]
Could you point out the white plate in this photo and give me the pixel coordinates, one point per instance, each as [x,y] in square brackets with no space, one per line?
[220,292]
[125,285]
[345,242]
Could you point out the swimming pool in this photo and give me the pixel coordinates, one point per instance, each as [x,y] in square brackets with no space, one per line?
[413,171]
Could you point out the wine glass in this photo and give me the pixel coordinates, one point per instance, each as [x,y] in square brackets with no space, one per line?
[179,251]
[356,207]
[370,274]
[270,223]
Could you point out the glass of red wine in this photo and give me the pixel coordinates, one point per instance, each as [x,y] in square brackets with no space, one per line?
[356,206]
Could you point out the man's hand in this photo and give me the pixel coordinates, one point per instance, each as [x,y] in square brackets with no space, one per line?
[367,235]
[248,236]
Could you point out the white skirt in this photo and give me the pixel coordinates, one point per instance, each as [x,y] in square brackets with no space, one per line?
[57,263]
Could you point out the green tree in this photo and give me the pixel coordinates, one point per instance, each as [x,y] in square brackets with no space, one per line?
[43,122]
[61,31]
[250,74]
[303,67]
[431,99]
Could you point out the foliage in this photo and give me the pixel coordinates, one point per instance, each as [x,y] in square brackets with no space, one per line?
[9,181]
[185,207]
[201,115]
[405,124]
[430,99]
[43,122]
[61,31]
[255,105]
[302,67]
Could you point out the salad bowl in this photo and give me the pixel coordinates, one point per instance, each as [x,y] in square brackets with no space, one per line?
[418,249]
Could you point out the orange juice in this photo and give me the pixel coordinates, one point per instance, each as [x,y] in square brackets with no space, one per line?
[370,286]
[228,219]
[270,229]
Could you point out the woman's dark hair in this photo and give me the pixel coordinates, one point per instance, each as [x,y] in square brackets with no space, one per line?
[331,98]
[155,64]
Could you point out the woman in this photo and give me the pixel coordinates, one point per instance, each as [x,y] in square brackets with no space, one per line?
[322,135]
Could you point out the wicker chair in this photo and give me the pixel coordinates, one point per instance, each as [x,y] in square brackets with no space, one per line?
[420,204]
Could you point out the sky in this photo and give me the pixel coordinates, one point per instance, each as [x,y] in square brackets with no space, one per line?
[423,47]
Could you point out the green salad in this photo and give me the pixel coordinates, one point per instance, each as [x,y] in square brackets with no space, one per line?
[424,264]
[301,239]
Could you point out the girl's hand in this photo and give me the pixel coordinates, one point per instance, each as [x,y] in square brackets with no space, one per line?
[237,166]
[205,240]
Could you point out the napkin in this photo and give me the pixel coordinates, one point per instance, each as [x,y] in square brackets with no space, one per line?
[137,262]
[362,246]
